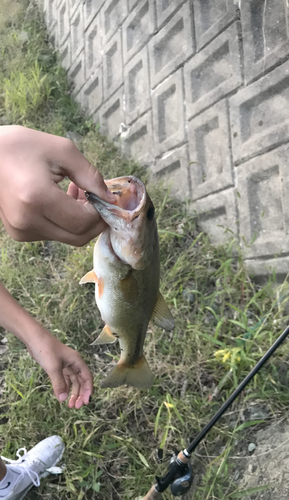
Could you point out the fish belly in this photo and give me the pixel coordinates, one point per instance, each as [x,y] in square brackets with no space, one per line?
[126,299]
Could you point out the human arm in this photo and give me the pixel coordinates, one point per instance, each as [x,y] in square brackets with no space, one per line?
[32,207]
[64,366]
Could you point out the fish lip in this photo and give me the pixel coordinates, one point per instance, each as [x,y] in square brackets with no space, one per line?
[115,209]
[93,198]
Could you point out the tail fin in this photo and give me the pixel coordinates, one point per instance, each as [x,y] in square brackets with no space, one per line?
[138,375]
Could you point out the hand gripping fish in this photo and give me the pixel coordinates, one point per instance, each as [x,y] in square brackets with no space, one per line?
[126,273]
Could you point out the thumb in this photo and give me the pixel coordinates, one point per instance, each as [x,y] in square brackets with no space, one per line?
[59,384]
[81,172]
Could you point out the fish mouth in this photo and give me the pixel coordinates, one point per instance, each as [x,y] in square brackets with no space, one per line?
[130,194]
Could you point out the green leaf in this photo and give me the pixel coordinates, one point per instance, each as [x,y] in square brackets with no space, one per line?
[179,415]
[142,459]
[157,419]
[249,424]
[251,491]
[16,390]
[214,341]
[218,327]
[96,487]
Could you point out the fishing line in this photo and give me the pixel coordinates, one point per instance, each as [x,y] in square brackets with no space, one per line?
[180,476]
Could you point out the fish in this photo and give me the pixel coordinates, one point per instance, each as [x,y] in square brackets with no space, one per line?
[126,273]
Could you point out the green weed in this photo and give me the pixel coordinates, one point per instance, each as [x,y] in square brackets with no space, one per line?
[224,322]
[25,94]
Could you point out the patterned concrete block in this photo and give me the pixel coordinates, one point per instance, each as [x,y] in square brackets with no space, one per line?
[93,46]
[138,141]
[212,17]
[260,269]
[136,86]
[168,113]
[132,4]
[76,74]
[77,32]
[91,96]
[214,72]
[265,35]
[50,13]
[96,119]
[73,5]
[111,115]
[90,10]
[259,115]
[173,169]
[263,186]
[165,8]
[217,215]
[113,70]
[53,36]
[210,151]
[113,14]
[172,45]
[138,28]
[63,22]
[65,54]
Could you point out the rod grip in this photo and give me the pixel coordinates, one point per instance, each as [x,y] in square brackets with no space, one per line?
[153,494]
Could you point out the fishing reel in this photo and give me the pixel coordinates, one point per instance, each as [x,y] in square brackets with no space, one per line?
[179,477]
[183,479]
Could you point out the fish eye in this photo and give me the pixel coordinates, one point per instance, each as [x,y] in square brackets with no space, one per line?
[150,213]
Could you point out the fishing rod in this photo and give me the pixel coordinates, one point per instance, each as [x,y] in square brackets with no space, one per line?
[180,474]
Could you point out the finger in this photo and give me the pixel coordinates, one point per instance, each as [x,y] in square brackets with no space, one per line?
[86,383]
[59,384]
[76,193]
[81,196]
[78,168]
[66,212]
[56,233]
[7,225]
[73,190]
[47,230]
[75,386]
[86,390]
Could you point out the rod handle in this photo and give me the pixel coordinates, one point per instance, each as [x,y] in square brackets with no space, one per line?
[153,494]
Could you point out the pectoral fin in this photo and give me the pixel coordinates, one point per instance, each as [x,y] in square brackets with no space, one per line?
[105,337]
[89,277]
[161,315]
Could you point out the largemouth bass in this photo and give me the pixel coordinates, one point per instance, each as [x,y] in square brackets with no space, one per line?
[126,273]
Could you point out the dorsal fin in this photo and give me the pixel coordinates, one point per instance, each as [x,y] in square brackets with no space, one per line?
[161,315]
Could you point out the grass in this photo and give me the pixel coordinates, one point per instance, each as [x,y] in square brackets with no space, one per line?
[224,322]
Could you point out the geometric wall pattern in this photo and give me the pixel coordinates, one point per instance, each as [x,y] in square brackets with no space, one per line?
[197,90]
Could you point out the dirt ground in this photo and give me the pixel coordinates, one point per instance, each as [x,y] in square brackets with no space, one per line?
[268,464]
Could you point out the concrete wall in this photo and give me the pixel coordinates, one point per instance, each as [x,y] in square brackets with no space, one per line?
[198,90]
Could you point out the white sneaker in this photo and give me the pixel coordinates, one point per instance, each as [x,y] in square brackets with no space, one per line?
[32,466]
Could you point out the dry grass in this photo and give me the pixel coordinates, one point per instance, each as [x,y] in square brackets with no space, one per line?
[110,445]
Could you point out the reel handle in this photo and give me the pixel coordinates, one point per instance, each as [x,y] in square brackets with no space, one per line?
[153,494]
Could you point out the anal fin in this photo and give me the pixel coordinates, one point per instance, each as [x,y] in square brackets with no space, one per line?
[138,375]
[105,337]
[89,277]
[161,315]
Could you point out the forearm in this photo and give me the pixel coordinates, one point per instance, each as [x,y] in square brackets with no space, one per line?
[17,320]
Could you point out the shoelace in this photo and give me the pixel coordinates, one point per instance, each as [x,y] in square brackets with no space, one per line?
[24,467]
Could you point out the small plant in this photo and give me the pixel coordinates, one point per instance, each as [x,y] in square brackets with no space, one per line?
[224,322]
[170,405]
[25,94]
